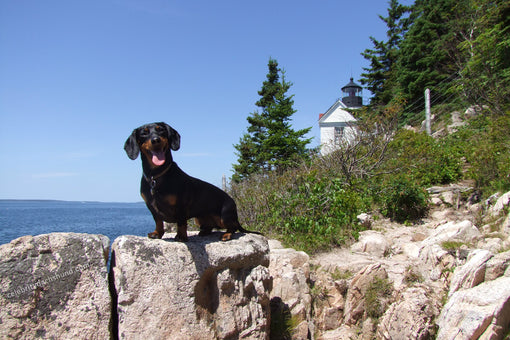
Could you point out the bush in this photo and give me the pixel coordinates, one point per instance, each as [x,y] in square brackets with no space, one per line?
[404,201]
[490,156]
[377,297]
[423,159]
[483,143]
[301,208]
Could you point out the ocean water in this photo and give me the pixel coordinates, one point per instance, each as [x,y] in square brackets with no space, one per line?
[19,218]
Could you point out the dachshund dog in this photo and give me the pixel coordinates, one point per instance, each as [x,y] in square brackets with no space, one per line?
[173,196]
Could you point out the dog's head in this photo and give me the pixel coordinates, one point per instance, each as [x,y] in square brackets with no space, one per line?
[154,141]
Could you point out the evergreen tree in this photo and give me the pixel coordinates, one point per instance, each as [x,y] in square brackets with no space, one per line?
[485,59]
[270,143]
[380,76]
[425,54]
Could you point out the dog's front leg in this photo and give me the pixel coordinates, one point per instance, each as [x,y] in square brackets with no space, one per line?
[158,233]
[182,231]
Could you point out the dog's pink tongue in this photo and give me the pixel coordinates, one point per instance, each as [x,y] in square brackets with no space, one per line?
[158,158]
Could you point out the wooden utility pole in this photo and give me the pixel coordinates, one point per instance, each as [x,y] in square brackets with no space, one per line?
[427,112]
[224,183]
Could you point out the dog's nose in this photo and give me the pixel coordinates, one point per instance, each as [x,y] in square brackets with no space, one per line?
[155,140]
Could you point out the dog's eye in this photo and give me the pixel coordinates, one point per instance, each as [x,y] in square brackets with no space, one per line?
[144,132]
[159,128]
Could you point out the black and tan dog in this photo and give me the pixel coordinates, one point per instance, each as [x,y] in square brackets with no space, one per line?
[173,196]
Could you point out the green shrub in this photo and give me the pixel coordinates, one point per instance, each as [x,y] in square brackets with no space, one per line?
[490,157]
[423,159]
[301,208]
[485,146]
[378,291]
[404,201]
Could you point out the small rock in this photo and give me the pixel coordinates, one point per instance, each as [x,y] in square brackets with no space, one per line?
[464,232]
[491,244]
[365,220]
[411,250]
[372,242]
[448,197]
[436,201]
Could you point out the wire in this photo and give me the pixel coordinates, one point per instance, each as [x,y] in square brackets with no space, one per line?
[418,105]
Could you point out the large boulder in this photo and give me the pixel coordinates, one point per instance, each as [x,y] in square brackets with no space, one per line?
[411,317]
[290,270]
[356,302]
[472,272]
[463,232]
[481,312]
[501,203]
[497,266]
[201,289]
[55,286]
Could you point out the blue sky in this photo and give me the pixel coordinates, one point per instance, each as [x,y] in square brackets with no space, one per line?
[76,77]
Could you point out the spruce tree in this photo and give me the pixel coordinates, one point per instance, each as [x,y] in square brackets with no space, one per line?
[425,54]
[485,46]
[380,77]
[270,143]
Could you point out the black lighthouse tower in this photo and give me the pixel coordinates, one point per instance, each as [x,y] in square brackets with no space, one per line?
[352,96]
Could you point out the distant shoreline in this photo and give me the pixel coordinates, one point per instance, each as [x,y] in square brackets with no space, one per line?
[62,201]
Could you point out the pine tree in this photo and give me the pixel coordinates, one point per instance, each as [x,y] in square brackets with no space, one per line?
[270,143]
[380,76]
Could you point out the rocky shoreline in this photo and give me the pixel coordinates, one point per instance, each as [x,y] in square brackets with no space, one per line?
[445,278]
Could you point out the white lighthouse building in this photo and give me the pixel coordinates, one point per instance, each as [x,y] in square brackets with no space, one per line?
[337,125]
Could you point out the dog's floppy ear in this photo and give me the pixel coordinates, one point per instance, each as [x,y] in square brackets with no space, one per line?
[174,137]
[131,146]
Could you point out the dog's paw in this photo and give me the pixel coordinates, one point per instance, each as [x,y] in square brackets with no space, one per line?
[205,232]
[226,237]
[181,238]
[153,235]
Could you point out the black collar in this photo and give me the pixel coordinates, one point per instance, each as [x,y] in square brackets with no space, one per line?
[152,179]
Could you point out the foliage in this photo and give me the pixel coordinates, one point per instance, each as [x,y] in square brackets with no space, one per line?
[485,49]
[485,146]
[271,143]
[424,58]
[314,206]
[380,76]
[379,290]
[361,156]
[422,159]
[304,210]
[459,48]
[282,321]
[403,200]
[412,275]
[451,246]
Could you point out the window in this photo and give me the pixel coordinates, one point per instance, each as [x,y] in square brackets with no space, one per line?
[339,134]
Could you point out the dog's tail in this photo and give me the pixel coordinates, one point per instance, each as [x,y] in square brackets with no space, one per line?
[241,229]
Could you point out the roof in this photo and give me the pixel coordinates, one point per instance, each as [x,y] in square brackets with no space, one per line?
[351,84]
[336,115]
